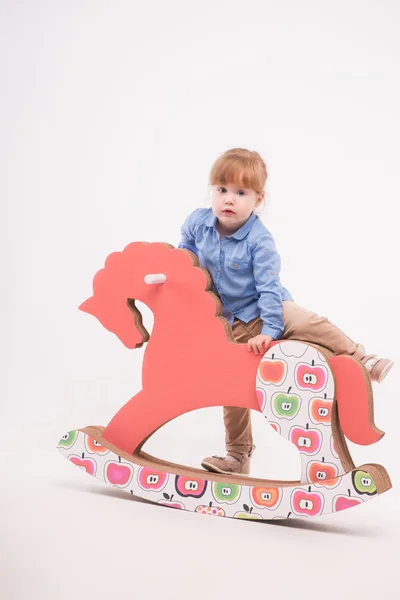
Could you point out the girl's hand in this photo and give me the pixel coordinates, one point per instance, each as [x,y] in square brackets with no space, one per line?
[256,343]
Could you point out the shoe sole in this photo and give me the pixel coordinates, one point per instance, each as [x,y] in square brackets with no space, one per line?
[210,467]
[385,371]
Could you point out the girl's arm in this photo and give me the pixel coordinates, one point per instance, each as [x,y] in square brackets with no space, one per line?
[188,233]
[266,269]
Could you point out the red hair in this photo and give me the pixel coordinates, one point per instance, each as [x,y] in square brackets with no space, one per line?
[242,167]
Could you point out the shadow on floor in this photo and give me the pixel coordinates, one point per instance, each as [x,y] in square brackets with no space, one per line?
[314,524]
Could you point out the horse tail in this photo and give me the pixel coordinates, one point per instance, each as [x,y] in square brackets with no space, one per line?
[354,396]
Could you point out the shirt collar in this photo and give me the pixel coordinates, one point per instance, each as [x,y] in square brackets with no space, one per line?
[240,233]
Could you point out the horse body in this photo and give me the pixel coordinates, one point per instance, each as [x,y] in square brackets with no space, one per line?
[184,373]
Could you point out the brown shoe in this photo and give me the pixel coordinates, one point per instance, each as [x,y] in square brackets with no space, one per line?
[220,464]
[377,367]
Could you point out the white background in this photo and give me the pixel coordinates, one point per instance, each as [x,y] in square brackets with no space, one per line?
[112,114]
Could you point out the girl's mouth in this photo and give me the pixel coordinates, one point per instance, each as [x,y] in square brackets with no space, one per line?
[228,212]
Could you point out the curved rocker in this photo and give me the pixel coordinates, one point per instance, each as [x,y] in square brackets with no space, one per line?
[192,361]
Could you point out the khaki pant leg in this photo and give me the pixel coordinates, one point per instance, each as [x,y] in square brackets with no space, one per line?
[237,420]
[305,325]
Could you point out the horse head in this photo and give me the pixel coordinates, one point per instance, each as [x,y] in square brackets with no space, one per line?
[138,273]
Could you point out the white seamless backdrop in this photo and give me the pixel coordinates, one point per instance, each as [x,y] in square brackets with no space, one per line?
[112,114]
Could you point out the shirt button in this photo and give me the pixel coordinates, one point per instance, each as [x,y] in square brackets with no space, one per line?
[216,268]
[235,265]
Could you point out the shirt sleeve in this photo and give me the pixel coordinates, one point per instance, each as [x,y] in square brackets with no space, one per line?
[188,233]
[266,269]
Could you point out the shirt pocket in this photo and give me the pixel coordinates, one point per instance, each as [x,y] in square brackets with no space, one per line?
[238,266]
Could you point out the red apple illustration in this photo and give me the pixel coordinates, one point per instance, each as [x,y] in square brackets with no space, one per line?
[261,398]
[118,473]
[342,502]
[86,464]
[323,474]
[263,497]
[151,479]
[94,447]
[168,502]
[321,410]
[310,377]
[215,511]
[272,371]
[308,441]
[305,503]
[187,486]
[275,426]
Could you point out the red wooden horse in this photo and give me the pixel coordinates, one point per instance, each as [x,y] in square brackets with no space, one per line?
[192,361]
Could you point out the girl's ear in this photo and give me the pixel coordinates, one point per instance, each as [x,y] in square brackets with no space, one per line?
[260,199]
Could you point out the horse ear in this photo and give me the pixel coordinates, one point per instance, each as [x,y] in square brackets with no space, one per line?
[88,306]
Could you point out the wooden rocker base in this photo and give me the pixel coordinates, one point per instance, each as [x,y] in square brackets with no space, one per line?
[214,494]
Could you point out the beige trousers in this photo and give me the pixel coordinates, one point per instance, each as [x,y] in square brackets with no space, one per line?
[299,324]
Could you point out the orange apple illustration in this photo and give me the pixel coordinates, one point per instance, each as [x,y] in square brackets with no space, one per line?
[272,371]
[308,441]
[320,410]
[117,473]
[263,497]
[94,447]
[341,502]
[323,474]
[86,464]
[310,377]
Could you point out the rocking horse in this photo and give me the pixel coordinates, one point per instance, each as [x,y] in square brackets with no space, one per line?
[307,394]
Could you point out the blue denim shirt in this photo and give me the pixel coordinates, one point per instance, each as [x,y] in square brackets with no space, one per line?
[244,267]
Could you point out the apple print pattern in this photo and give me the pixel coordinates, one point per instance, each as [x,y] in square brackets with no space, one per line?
[302,405]
[93,446]
[220,498]
[118,473]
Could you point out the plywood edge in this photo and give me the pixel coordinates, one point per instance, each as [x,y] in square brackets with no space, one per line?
[142,459]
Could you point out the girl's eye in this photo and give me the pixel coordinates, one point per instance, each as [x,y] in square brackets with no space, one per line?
[241,192]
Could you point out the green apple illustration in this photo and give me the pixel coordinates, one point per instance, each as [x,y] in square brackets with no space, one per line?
[287,405]
[363,483]
[68,439]
[248,514]
[226,492]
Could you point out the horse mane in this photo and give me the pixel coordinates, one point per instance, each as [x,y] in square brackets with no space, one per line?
[154,256]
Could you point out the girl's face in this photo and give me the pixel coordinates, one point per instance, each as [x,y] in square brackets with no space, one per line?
[232,205]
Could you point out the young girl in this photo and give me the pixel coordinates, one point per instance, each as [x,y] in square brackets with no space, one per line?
[237,249]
